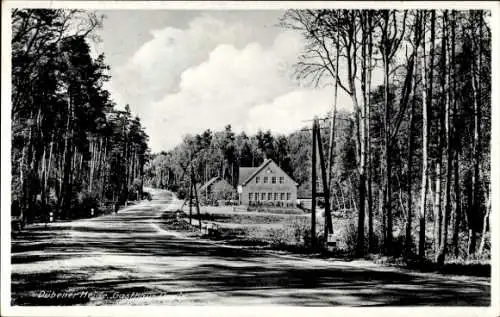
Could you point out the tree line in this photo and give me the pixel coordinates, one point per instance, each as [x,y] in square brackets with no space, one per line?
[72,150]
[421,165]
[222,153]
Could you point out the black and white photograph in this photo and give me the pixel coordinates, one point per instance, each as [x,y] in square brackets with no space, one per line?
[249,154]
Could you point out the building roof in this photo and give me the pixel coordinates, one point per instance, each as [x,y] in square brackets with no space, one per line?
[244,173]
[209,183]
[248,173]
[252,171]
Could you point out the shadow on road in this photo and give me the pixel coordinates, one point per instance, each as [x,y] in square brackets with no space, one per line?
[124,253]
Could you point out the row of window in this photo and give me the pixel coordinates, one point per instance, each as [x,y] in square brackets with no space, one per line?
[273,180]
[269,196]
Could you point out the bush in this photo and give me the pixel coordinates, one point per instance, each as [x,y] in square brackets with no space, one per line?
[182,192]
[279,236]
[301,229]
[398,245]
[146,195]
[136,185]
[82,203]
[15,208]
[296,233]
[223,191]
[348,238]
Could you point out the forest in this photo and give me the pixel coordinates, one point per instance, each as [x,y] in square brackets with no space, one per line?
[72,148]
[412,158]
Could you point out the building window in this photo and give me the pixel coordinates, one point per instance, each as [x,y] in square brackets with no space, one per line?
[263,196]
[275,196]
[282,179]
[257,179]
[273,180]
[269,196]
[288,196]
[282,196]
[265,179]
[250,196]
[256,196]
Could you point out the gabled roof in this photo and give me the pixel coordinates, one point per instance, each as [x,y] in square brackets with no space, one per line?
[244,173]
[209,183]
[252,171]
[256,171]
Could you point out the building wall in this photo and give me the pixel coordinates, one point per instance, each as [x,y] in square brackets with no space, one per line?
[254,187]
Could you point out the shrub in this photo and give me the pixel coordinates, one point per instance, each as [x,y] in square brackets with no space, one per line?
[82,203]
[347,239]
[223,191]
[301,230]
[136,185]
[278,236]
[146,195]
[15,208]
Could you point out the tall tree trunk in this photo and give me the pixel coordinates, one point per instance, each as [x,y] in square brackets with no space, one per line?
[408,238]
[387,155]
[485,223]
[333,118]
[456,146]
[381,206]
[475,206]
[360,244]
[368,138]
[438,216]
[408,234]
[386,151]
[92,162]
[425,132]
[458,205]
[25,178]
[41,175]
[104,169]
[440,257]
[67,158]
[441,144]
[48,169]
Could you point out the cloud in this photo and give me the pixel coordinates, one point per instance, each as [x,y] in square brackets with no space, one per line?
[155,68]
[287,113]
[249,88]
[212,74]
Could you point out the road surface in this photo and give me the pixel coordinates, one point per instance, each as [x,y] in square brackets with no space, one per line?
[126,258]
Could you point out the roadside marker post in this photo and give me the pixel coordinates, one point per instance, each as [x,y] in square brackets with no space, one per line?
[331,242]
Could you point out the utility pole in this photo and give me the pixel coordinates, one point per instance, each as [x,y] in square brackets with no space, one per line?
[193,182]
[326,187]
[313,185]
[325,179]
[190,201]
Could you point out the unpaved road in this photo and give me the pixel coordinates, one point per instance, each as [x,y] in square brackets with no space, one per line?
[126,258]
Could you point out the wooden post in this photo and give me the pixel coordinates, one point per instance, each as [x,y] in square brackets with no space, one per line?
[326,189]
[190,201]
[313,188]
[196,197]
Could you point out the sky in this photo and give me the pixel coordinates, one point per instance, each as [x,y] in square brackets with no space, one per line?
[183,72]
